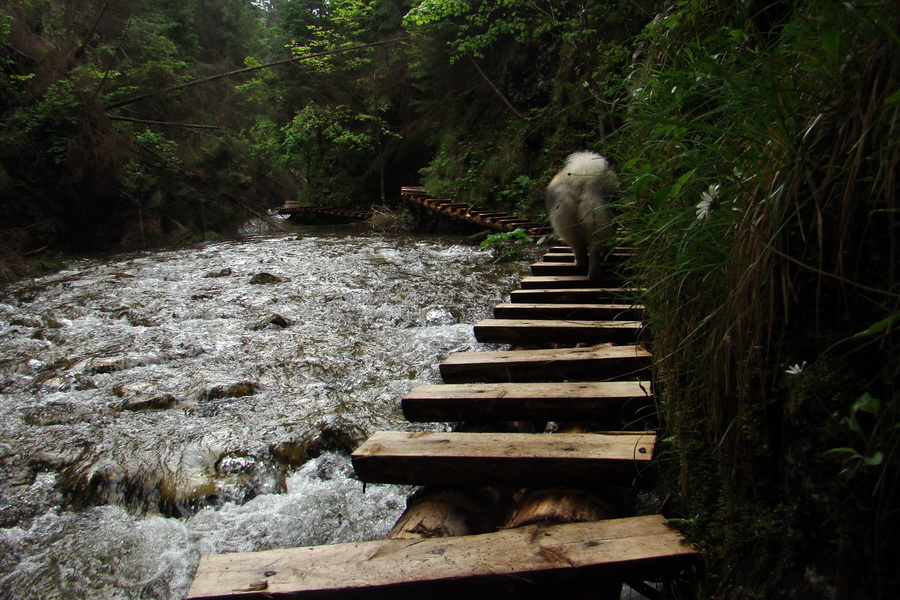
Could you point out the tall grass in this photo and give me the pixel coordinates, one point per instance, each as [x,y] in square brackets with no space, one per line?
[787,120]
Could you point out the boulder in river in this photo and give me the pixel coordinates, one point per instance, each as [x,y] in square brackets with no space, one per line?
[273,319]
[152,402]
[228,390]
[265,278]
[220,273]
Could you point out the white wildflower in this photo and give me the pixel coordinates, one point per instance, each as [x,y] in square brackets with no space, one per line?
[796,369]
[709,202]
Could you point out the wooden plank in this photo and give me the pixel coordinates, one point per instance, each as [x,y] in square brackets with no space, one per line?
[568,282]
[607,403]
[442,567]
[586,312]
[543,331]
[583,364]
[555,269]
[503,459]
[573,295]
[557,257]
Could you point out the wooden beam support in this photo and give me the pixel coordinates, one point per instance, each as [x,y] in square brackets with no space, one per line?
[608,403]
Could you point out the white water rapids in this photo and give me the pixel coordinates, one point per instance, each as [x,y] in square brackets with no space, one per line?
[149,413]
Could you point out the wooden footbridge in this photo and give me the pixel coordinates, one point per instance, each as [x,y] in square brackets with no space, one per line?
[507,510]
[314,215]
[491,219]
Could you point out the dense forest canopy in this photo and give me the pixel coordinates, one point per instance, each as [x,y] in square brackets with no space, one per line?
[117,132]
[757,143]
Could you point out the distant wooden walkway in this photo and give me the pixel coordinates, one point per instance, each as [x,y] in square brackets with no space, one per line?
[490,219]
[314,215]
[555,537]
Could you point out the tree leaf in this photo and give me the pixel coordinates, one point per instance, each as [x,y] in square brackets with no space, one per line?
[879,327]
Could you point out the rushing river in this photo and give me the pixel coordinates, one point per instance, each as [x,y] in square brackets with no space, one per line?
[160,406]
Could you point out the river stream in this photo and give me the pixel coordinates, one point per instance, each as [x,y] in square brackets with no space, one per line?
[159,406]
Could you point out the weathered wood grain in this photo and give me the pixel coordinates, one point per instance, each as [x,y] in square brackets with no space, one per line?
[563,256]
[573,295]
[609,403]
[593,363]
[414,568]
[568,282]
[559,310]
[515,459]
[545,331]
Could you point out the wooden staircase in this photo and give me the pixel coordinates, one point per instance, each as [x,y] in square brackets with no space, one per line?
[601,377]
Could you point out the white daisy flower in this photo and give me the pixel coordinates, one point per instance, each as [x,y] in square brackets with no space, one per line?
[796,369]
[709,202]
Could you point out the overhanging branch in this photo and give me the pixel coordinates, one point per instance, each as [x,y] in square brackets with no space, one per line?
[182,86]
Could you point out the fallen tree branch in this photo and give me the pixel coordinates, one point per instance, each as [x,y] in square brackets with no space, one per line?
[284,61]
[87,38]
[497,91]
[272,222]
[149,122]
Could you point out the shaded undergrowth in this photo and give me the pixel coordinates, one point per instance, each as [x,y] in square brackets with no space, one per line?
[765,206]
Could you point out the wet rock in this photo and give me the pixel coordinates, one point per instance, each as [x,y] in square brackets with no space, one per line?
[334,438]
[57,413]
[142,321]
[111,365]
[273,319]
[25,321]
[144,396]
[291,452]
[265,278]
[221,273]
[99,366]
[49,461]
[475,240]
[129,390]
[67,382]
[154,402]
[228,390]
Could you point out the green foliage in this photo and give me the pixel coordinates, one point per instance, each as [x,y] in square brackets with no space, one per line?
[517,194]
[48,123]
[507,246]
[743,150]
[865,409]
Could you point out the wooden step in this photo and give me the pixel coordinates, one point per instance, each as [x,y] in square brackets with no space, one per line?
[504,459]
[585,312]
[574,295]
[501,564]
[596,363]
[609,403]
[545,331]
[559,257]
[555,269]
[568,282]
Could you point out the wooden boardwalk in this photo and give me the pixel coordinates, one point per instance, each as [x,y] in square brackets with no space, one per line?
[559,538]
[315,215]
[487,218]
